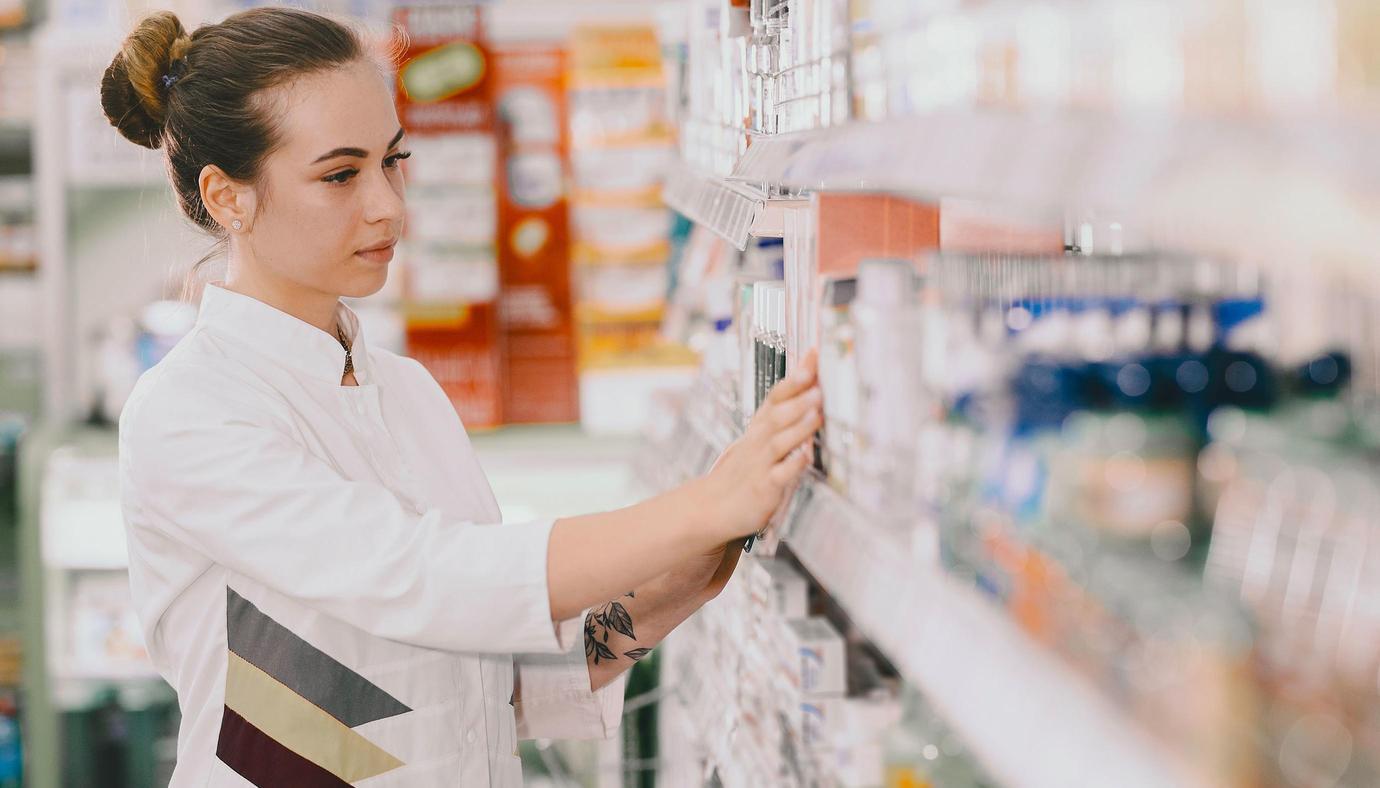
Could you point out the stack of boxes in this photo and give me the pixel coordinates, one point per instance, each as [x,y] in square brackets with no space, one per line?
[762,690]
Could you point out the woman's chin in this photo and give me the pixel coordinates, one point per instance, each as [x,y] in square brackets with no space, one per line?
[365,284]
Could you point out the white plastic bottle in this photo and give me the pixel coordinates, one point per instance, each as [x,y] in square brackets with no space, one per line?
[888,323]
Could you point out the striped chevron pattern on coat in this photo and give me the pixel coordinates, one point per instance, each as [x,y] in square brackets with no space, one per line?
[290,709]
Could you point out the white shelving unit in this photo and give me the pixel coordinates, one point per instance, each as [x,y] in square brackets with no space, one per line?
[85,563]
[734,210]
[1031,719]
[1300,191]
[992,683]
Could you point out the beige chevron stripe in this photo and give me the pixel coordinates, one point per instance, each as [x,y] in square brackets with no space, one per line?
[300,726]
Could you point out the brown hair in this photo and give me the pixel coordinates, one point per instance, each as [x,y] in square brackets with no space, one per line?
[198,96]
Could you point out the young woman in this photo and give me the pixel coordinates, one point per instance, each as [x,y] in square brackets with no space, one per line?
[315,553]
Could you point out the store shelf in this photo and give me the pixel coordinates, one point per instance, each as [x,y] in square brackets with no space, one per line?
[994,685]
[998,688]
[1052,159]
[1280,188]
[733,210]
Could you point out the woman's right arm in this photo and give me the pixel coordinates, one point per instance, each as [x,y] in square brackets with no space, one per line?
[599,557]
[206,467]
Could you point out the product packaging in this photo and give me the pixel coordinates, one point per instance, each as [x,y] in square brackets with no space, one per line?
[539,365]
[745,319]
[789,589]
[458,345]
[823,657]
[887,320]
[452,282]
[838,381]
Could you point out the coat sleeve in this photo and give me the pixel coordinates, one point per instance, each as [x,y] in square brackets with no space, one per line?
[554,700]
[214,469]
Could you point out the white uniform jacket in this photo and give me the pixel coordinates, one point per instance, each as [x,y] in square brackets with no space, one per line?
[321,572]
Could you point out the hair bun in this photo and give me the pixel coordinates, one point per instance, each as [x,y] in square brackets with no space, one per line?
[133,93]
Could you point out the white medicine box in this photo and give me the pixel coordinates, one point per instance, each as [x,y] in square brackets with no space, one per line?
[823,668]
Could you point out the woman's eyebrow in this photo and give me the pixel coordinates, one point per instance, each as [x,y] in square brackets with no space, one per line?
[358,153]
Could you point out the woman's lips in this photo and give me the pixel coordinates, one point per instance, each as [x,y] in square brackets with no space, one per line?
[378,254]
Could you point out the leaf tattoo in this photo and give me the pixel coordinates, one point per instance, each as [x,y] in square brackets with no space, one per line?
[589,637]
[619,620]
[612,617]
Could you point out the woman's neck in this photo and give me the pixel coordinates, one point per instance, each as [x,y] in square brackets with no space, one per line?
[307,305]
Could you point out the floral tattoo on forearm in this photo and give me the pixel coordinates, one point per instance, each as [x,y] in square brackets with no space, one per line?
[610,617]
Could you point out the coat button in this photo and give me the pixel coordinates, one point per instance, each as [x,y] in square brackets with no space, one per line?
[470,737]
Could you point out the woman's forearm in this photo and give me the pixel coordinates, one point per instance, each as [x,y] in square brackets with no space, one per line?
[598,557]
[623,631]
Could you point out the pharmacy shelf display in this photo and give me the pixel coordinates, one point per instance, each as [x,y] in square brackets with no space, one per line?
[1203,125]
[1122,423]
[990,681]
[1236,187]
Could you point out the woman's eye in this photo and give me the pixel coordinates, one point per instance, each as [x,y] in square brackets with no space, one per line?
[340,177]
[392,161]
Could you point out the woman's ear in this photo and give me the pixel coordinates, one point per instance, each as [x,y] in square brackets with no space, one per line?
[229,202]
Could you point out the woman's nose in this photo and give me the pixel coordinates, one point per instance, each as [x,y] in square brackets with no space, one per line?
[385,202]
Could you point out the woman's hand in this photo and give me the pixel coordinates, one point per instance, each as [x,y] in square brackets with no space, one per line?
[755,473]
[723,570]
[598,557]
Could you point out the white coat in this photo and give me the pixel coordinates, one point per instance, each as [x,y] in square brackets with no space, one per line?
[320,571]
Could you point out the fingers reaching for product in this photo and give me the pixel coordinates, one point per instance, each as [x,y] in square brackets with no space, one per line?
[798,382]
[754,475]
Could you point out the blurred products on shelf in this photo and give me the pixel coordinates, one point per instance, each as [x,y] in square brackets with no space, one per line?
[534,236]
[1128,456]
[452,284]
[536,215]
[622,141]
[128,349]
[18,244]
[760,691]
[1159,464]
[778,66]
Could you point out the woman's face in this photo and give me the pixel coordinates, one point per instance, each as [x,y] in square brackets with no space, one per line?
[330,202]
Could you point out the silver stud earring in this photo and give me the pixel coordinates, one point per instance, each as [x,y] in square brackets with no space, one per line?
[237,224]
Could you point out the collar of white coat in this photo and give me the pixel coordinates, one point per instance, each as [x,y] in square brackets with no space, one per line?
[288,340]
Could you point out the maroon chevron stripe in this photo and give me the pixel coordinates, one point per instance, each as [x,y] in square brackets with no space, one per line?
[266,763]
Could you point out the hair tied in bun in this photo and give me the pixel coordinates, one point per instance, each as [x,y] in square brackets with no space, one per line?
[175,71]
[134,88]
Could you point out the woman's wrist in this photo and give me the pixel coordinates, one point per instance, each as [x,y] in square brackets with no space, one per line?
[697,524]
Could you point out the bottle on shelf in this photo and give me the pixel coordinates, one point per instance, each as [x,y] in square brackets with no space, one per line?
[838,381]
[887,319]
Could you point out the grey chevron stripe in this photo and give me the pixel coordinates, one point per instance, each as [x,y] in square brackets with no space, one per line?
[303,668]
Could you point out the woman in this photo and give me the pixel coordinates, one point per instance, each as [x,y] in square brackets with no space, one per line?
[314,550]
